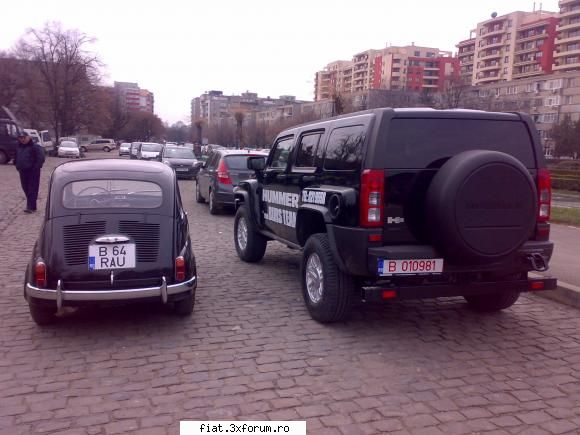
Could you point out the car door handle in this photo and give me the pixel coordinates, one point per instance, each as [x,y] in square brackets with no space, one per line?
[281,177]
[308,178]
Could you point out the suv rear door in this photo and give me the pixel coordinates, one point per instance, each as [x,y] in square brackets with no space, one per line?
[414,151]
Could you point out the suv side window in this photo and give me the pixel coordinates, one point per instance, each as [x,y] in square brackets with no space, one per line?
[344,148]
[281,152]
[306,149]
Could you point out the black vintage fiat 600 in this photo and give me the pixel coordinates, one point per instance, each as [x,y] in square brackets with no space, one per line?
[114,230]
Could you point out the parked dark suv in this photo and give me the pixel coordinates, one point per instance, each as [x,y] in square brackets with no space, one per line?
[404,203]
[9,131]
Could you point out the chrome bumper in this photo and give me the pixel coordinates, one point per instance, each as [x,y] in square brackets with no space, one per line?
[60,296]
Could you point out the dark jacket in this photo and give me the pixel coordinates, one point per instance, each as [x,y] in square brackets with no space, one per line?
[29,156]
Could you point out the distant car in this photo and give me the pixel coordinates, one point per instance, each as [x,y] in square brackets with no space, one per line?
[9,131]
[150,151]
[68,148]
[99,145]
[218,176]
[182,160]
[134,151]
[115,230]
[125,149]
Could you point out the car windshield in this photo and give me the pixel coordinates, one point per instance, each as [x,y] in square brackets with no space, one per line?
[68,144]
[154,147]
[178,153]
[111,193]
[125,145]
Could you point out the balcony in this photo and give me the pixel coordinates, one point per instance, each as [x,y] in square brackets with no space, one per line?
[563,53]
[566,39]
[528,50]
[496,55]
[429,86]
[542,35]
[530,73]
[566,2]
[567,26]
[527,62]
[487,79]
[573,11]
[490,67]
[572,65]
[466,62]
[492,32]
[493,44]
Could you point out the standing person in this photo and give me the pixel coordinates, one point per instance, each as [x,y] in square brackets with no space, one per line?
[29,160]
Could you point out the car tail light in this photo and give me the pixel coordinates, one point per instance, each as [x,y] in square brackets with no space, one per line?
[372,194]
[180,268]
[544,195]
[223,174]
[40,274]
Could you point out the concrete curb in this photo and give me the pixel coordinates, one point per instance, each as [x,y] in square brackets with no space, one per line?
[568,294]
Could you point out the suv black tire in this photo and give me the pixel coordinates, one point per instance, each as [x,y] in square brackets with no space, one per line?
[3,158]
[337,287]
[255,242]
[106,149]
[488,303]
[184,307]
[200,199]
[213,207]
[42,314]
[83,149]
[472,217]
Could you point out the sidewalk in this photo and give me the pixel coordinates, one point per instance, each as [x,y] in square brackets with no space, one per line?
[565,265]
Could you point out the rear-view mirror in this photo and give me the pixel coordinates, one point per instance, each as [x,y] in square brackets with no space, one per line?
[256,163]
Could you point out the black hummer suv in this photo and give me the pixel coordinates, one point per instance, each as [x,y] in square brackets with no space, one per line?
[404,203]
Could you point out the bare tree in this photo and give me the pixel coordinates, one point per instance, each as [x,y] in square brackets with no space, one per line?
[68,71]
[239,116]
[143,126]
[453,94]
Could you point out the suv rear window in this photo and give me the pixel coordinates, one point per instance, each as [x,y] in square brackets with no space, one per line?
[344,148]
[423,143]
[95,194]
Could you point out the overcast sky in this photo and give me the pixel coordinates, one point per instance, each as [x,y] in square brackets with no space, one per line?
[180,49]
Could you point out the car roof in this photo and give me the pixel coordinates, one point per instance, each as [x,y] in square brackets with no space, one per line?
[227,152]
[77,169]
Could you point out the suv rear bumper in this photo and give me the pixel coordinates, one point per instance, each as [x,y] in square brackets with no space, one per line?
[362,256]
[400,292]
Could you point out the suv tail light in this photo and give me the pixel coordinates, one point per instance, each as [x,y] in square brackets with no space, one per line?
[223,174]
[179,268]
[544,195]
[40,274]
[372,195]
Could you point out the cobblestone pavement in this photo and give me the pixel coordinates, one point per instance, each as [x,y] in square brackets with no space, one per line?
[250,351]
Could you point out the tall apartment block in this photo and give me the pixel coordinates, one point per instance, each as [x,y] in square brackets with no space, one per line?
[567,52]
[134,99]
[508,47]
[392,68]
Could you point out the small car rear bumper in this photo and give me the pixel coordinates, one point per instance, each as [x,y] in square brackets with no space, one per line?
[163,292]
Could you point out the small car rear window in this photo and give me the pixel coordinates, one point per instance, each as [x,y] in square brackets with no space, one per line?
[424,143]
[94,194]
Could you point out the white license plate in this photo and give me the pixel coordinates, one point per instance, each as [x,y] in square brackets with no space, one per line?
[121,256]
[410,267]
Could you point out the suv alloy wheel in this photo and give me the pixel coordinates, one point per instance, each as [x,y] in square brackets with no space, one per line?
[327,291]
[250,245]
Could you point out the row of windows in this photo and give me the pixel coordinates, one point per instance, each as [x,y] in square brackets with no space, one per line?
[343,150]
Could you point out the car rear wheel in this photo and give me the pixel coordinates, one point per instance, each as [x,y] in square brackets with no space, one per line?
[42,314]
[327,291]
[106,149]
[489,303]
[3,158]
[214,208]
[200,199]
[83,149]
[184,307]
[250,245]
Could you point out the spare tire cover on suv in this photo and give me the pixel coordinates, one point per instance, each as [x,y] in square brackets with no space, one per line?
[481,207]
